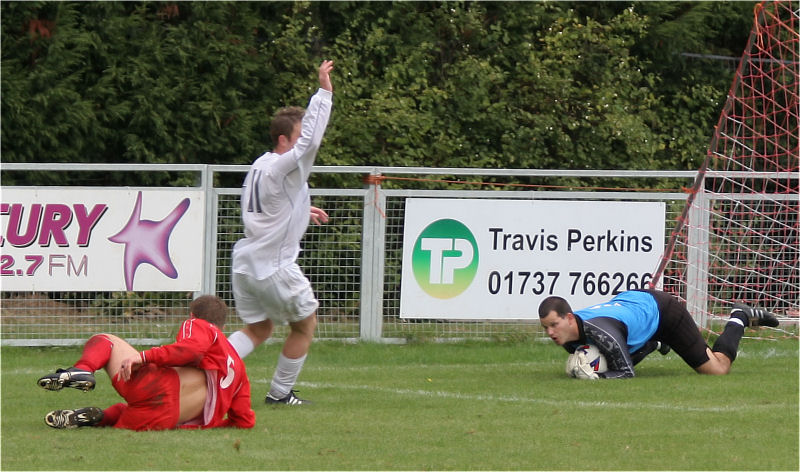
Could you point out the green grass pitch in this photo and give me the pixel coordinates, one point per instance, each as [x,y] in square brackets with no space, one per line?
[451,406]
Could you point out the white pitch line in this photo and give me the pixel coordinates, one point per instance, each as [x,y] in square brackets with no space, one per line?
[768,354]
[493,398]
[362,368]
[542,401]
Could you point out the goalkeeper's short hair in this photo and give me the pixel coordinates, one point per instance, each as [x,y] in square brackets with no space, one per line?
[557,304]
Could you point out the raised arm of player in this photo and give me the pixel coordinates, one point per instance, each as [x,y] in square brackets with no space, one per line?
[325,75]
[315,121]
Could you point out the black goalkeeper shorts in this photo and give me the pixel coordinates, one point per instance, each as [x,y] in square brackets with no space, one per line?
[677,328]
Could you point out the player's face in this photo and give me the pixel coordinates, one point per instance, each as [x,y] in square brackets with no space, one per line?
[560,330]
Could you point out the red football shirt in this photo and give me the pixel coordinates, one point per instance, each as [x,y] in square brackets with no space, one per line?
[201,344]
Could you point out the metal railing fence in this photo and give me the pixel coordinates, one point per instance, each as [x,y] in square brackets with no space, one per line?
[353,261]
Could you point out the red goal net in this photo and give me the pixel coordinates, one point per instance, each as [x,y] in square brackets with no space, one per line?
[737,237]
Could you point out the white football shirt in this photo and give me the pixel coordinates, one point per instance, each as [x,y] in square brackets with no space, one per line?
[275,201]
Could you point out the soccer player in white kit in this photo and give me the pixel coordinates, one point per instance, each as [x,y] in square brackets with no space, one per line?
[268,285]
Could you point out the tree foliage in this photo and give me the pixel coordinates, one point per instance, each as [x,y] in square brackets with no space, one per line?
[450,84]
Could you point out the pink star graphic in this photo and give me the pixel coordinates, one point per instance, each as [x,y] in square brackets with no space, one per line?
[148,241]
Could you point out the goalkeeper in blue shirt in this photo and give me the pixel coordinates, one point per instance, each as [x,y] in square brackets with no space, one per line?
[634,324]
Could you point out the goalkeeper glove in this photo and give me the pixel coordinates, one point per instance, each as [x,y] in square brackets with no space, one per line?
[582,370]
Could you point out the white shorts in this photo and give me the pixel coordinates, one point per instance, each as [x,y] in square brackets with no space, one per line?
[283,297]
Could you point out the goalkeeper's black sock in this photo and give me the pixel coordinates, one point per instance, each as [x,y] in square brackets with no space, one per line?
[728,342]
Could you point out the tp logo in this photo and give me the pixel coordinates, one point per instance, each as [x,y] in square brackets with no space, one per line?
[445,258]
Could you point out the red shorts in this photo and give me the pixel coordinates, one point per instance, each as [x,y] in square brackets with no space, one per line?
[153,394]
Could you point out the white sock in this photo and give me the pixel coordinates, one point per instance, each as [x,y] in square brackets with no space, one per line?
[241,343]
[285,375]
[736,320]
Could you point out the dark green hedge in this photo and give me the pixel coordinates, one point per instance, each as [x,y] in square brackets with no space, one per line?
[454,84]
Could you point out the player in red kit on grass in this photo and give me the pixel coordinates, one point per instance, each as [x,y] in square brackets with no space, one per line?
[196,382]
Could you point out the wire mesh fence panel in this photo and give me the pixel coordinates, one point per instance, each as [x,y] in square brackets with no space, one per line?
[335,257]
[54,318]
[330,258]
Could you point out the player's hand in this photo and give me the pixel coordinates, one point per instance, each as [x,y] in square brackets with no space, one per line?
[128,366]
[583,370]
[325,75]
[318,216]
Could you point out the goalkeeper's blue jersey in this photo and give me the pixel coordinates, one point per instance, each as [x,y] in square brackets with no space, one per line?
[637,310]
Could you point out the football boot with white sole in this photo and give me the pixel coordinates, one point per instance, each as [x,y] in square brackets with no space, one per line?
[290,399]
[72,378]
[66,419]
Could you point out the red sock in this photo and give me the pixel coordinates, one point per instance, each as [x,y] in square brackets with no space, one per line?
[96,353]
[112,414]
